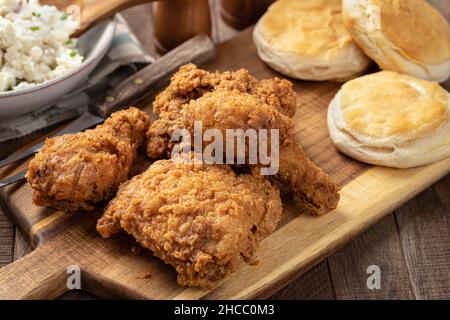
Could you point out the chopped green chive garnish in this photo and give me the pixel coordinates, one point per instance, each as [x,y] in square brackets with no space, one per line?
[36,14]
[73,54]
[69,42]
[64,16]
[34,28]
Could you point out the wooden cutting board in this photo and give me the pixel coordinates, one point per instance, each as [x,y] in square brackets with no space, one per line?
[111,269]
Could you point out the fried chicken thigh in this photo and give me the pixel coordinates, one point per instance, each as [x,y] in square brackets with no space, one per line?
[201,219]
[76,171]
[191,83]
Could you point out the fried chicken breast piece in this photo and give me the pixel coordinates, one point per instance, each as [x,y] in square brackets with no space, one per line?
[76,171]
[312,188]
[191,83]
[201,219]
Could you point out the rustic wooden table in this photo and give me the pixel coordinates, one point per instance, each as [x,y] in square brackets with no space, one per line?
[411,246]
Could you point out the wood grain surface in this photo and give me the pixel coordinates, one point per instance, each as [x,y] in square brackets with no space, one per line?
[411,245]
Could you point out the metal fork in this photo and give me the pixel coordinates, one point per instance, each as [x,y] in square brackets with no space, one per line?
[13,179]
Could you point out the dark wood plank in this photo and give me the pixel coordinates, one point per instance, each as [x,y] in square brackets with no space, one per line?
[442,189]
[6,239]
[379,246]
[424,225]
[313,285]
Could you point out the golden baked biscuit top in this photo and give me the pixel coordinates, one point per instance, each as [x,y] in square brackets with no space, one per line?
[387,104]
[311,28]
[417,30]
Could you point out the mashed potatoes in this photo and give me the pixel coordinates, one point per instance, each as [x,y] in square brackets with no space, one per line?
[35,44]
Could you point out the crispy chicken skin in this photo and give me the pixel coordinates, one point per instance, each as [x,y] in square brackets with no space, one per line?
[76,171]
[312,188]
[201,219]
[191,82]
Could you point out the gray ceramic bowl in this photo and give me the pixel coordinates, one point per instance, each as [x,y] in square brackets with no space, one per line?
[93,45]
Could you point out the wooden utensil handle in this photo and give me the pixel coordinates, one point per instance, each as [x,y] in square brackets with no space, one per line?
[39,275]
[197,50]
[95,11]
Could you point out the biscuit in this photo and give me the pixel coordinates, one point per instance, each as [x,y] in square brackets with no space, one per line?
[306,39]
[406,36]
[391,119]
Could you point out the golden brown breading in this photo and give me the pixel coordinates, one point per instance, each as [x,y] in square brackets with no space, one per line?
[233,110]
[202,219]
[191,82]
[76,171]
[313,188]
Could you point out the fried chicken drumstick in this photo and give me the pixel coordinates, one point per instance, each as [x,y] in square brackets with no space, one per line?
[76,171]
[312,188]
[201,219]
[191,82]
